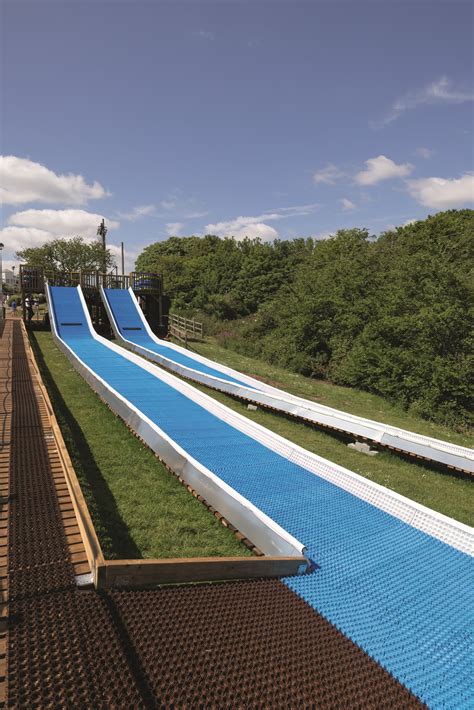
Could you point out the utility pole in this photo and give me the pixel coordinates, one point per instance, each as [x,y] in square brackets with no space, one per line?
[123,260]
[102,232]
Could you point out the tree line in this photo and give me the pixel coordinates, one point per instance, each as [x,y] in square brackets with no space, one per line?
[72,254]
[392,315]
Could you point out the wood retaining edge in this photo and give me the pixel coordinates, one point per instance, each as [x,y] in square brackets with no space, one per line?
[89,537]
[119,573]
[122,573]
[6,344]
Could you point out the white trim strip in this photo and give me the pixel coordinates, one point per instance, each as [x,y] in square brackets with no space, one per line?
[436,524]
[260,393]
[264,532]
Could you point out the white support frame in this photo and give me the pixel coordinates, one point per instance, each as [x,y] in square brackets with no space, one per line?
[436,524]
[448,530]
[263,532]
[438,451]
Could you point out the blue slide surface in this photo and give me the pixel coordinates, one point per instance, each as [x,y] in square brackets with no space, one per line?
[401,595]
[131,328]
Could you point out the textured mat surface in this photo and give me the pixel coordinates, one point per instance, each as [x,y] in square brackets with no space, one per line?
[249,644]
[401,595]
[131,328]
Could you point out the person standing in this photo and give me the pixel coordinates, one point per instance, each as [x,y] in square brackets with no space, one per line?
[13,307]
[29,308]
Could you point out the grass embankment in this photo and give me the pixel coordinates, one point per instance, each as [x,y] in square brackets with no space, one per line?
[139,509]
[438,490]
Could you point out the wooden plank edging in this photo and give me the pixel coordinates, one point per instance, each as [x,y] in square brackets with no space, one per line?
[6,353]
[120,573]
[90,540]
[115,573]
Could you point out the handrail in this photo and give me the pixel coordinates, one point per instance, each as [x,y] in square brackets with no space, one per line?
[33,278]
[184,329]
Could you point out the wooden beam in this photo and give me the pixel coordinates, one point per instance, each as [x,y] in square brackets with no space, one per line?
[123,573]
[90,540]
[120,573]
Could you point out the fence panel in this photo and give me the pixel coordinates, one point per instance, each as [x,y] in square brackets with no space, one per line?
[184,328]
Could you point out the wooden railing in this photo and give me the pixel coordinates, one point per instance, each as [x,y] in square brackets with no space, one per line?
[87,279]
[32,279]
[184,329]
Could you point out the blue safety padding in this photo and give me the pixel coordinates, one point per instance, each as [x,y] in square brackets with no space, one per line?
[126,316]
[404,597]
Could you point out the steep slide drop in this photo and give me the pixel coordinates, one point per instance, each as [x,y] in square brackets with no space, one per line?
[402,595]
[132,330]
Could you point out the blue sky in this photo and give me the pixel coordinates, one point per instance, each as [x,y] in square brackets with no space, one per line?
[261,118]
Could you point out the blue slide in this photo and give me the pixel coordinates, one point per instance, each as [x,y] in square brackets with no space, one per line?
[129,323]
[134,333]
[403,596]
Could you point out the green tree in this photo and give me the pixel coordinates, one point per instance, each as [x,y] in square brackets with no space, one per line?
[68,255]
[391,315]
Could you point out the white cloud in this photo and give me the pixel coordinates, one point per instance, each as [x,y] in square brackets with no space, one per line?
[382,168]
[130,256]
[409,221]
[174,228]
[347,204]
[138,212]
[323,235]
[8,263]
[253,227]
[441,91]
[18,238]
[425,152]
[256,230]
[61,223]
[296,211]
[443,193]
[243,227]
[23,181]
[328,175]
[33,228]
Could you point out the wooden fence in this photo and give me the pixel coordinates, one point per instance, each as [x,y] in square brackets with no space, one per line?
[184,329]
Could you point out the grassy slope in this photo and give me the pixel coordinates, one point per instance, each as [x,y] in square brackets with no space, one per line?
[139,508]
[356,402]
[441,491]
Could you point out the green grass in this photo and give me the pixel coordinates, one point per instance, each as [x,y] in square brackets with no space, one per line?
[363,404]
[139,509]
[442,491]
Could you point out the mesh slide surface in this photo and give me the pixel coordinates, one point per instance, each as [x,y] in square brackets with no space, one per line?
[401,595]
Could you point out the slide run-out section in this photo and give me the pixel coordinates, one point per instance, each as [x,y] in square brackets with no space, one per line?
[132,330]
[401,594]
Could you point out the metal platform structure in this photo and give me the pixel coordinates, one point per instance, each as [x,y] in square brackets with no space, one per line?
[146,286]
